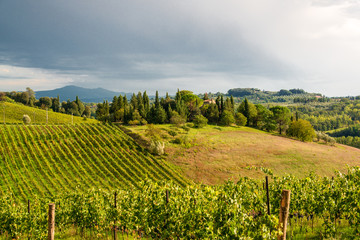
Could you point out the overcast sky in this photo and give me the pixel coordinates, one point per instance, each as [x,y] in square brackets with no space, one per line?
[199,45]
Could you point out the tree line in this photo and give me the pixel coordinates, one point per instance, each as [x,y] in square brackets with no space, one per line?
[76,107]
[188,107]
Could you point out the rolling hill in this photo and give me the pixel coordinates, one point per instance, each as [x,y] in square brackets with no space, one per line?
[50,159]
[12,112]
[84,94]
[214,154]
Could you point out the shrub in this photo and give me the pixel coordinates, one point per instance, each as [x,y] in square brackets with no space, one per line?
[200,121]
[153,132]
[227,118]
[186,128]
[326,138]
[183,140]
[240,119]
[26,119]
[176,119]
[302,130]
[134,122]
[157,147]
[143,122]
[172,133]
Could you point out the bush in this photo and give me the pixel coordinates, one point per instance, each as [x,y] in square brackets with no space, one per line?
[326,138]
[172,133]
[227,118]
[186,128]
[176,119]
[157,147]
[153,132]
[26,119]
[302,130]
[240,119]
[183,140]
[200,121]
[134,122]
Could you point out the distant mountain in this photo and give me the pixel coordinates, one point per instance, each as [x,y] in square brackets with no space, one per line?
[85,94]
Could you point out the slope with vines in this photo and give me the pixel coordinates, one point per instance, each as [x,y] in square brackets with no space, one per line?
[47,159]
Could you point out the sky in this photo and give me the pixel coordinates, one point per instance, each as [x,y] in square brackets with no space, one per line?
[201,45]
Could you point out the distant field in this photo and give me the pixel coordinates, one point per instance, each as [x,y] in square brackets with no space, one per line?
[215,154]
[14,113]
[49,159]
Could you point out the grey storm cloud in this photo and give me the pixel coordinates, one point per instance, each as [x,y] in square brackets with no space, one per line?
[117,41]
[203,45]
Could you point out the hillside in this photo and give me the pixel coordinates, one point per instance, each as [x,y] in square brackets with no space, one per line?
[85,94]
[214,154]
[14,113]
[50,159]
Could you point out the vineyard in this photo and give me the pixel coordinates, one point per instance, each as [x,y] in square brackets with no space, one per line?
[47,159]
[320,208]
[11,112]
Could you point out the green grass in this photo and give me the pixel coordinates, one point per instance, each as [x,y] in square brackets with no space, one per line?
[45,160]
[14,113]
[217,153]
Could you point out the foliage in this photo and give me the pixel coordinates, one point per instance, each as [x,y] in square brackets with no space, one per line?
[240,119]
[200,121]
[326,138]
[45,160]
[177,119]
[227,118]
[157,147]
[14,113]
[227,211]
[281,116]
[248,110]
[302,130]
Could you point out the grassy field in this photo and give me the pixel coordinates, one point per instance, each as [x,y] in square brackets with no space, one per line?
[214,154]
[14,113]
[49,159]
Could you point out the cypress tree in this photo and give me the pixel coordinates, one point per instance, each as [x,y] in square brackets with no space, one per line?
[221,104]
[146,102]
[134,102]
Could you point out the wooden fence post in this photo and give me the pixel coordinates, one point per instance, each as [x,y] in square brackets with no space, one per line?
[267,195]
[51,221]
[284,213]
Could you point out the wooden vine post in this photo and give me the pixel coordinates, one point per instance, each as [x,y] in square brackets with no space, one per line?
[28,213]
[267,195]
[284,213]
[51,221]
[115,233]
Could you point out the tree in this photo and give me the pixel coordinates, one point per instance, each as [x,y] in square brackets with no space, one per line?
[2,96]
[45,102]
[55,105]
[80,105]
[200,121]
[240,119]
[211,112]
[248,110]
[227,118]
[177,119]
[281,116]
[302,130]
[31,95]
[87,112]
